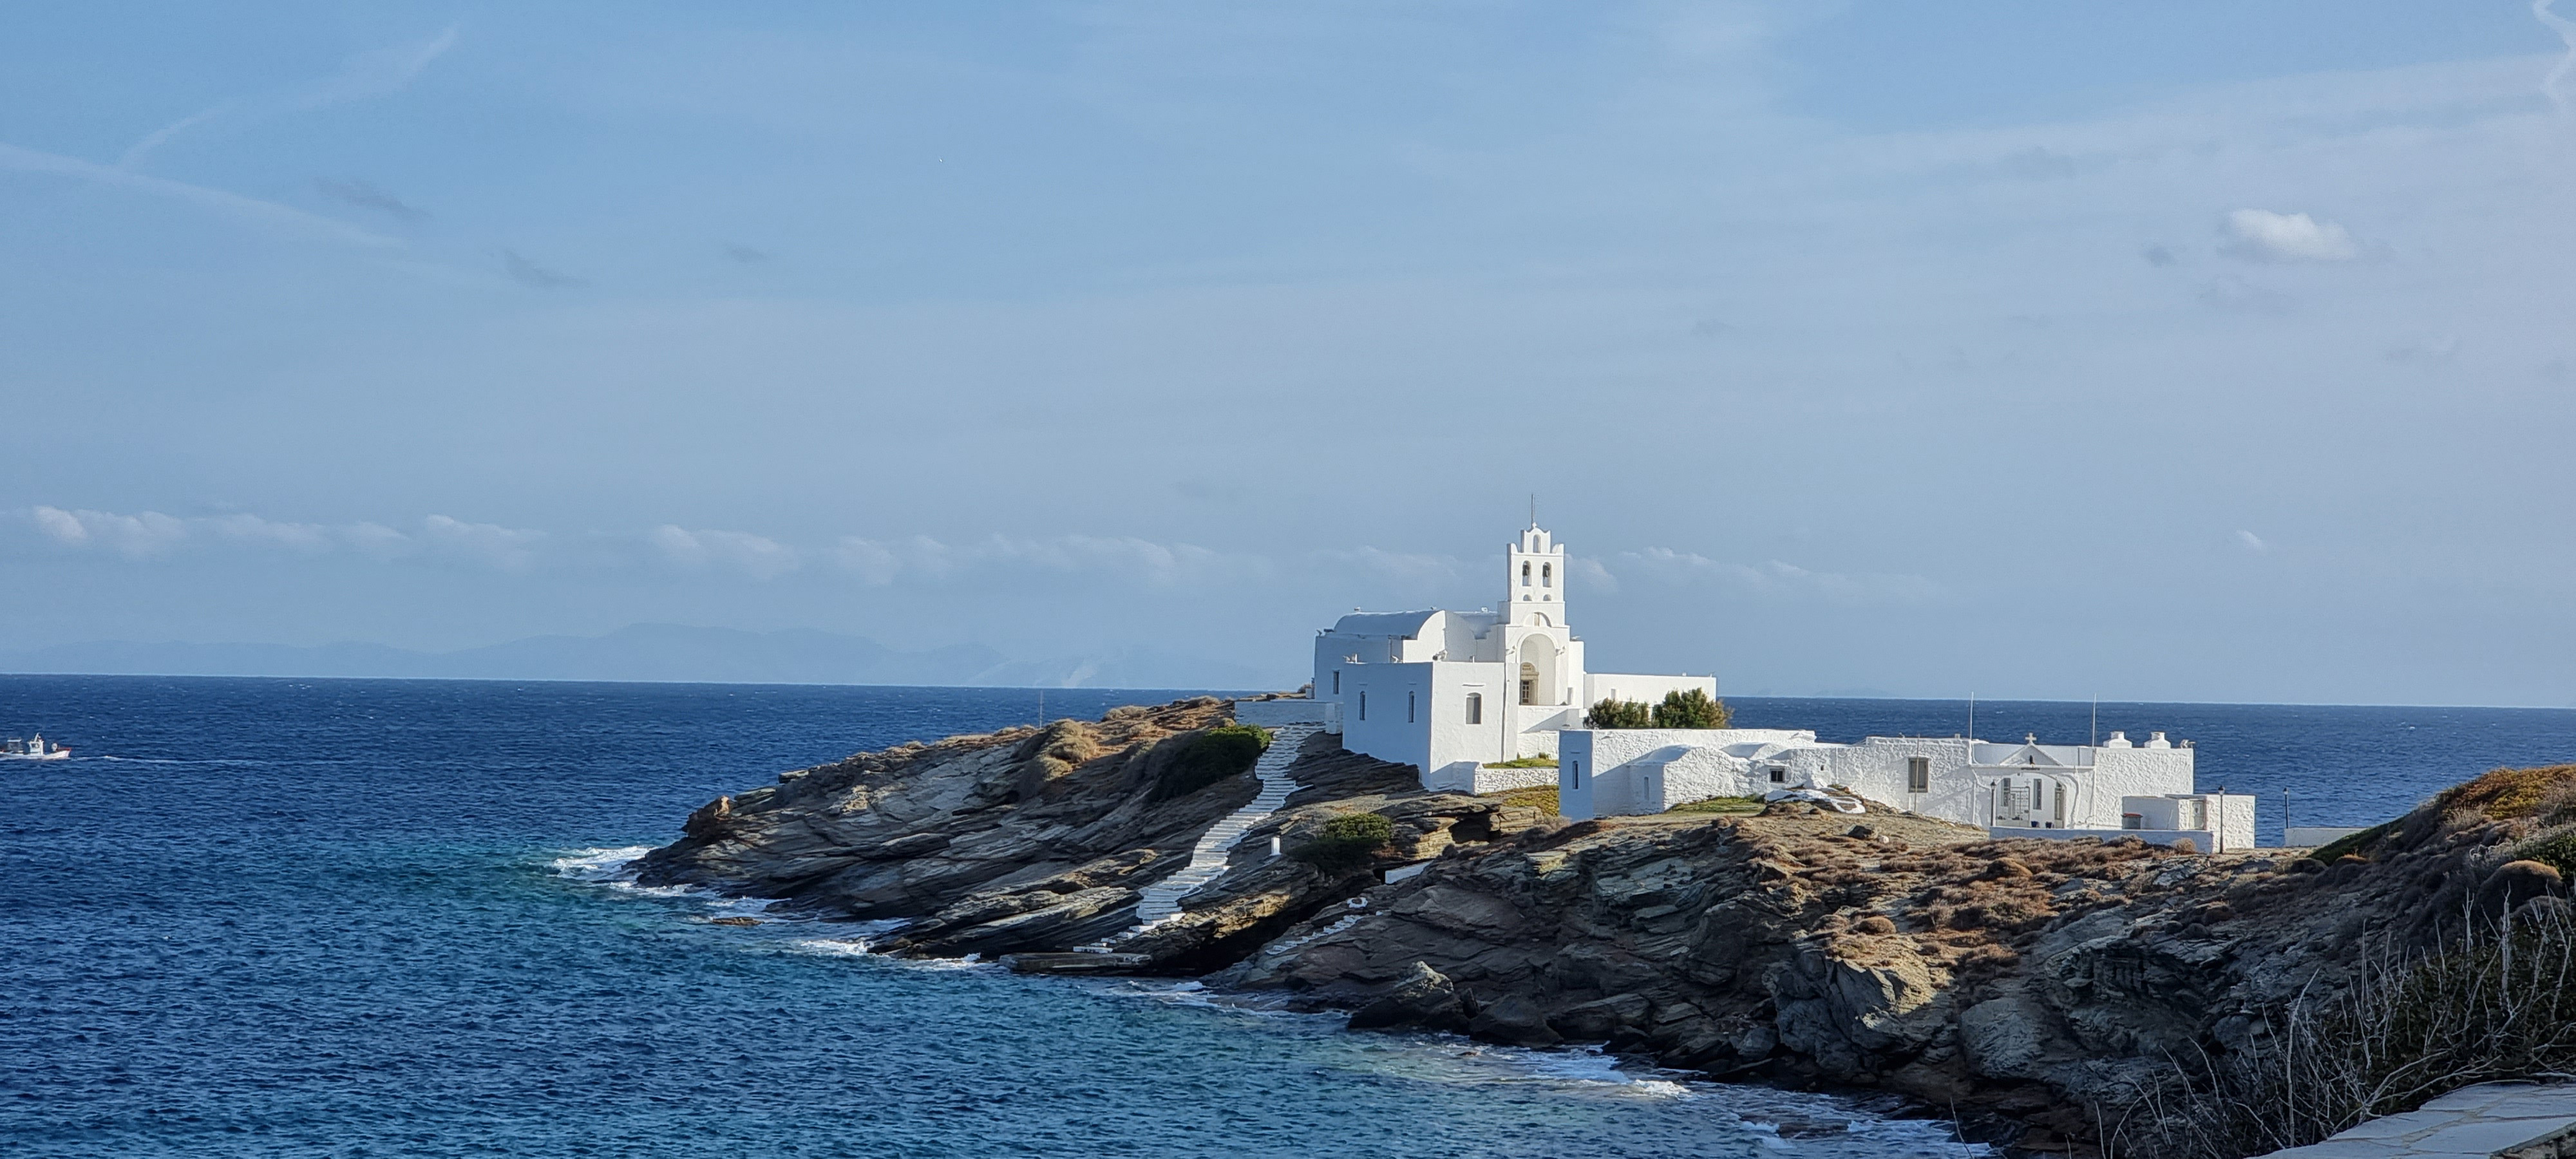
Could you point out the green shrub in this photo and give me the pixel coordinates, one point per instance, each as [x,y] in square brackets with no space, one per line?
[1619,714]
[1220,753]
[2557,851]
[1348,842]
[1692,709]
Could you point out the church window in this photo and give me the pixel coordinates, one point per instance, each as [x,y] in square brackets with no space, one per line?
[1779,776]
[1475,708]
[1918,774]
[1408,708]
[1547,575]
[1363,704]
[1337,682]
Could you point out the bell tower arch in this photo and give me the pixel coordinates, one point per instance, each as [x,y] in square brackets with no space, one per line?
[1534,569]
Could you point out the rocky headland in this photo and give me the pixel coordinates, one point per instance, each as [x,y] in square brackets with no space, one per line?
[2038,990]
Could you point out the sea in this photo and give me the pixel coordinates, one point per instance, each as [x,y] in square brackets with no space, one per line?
[271,917]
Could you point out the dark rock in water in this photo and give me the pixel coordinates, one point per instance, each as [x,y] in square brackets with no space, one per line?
[1422,998]
[1602,1019]
[1515,1019]
[1075,963]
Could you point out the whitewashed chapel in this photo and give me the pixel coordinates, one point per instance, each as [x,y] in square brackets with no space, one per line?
[1456,694]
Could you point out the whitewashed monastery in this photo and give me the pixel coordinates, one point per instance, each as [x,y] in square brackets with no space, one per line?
[1459,695]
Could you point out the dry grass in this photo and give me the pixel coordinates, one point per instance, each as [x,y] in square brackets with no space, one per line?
[1542,798]
[2509,794]
[2495,1006]
[1737,805]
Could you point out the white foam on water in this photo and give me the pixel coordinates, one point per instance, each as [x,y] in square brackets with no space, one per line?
[601,865]
[861,942]
[614,869]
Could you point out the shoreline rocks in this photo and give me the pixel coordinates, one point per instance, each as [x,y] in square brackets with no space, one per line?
[2026,983]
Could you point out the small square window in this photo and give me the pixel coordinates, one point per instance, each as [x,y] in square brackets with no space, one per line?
[1779,776]
[1918,774]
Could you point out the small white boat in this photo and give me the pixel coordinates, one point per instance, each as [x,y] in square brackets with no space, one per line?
[33,750]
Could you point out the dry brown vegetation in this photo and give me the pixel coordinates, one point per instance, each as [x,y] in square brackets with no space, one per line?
[2470,978]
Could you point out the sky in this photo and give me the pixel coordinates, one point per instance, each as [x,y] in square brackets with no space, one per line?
[2193,350]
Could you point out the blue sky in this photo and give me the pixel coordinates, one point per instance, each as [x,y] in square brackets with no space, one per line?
[2187,350]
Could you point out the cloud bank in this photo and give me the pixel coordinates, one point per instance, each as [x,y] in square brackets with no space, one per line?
[2260,235]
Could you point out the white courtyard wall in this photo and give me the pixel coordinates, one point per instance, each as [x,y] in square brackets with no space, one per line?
[1621,771]
[1876,768]
[1455,749]
[1375,698]
[2136,772]
[1602,686]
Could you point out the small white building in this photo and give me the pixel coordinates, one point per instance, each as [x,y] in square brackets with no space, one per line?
[1451,693]
[2021,790]
[1455,694]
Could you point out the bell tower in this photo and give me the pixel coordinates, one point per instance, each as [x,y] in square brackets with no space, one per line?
[1535,569]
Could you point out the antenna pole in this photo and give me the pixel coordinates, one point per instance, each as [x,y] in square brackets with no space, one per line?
[2097,721]
[1972,716]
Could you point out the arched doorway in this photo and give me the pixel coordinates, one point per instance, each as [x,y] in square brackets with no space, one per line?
[1540,672]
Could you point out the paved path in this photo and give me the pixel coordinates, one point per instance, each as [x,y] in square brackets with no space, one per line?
[2490,1121]
[1161,901]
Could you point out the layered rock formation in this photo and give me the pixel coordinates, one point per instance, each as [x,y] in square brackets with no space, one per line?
[2030,983]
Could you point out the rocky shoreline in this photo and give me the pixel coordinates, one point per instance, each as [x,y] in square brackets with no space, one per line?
[2029,987]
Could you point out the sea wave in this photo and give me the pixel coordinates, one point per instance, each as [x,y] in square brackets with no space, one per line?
[601,865]
[614,869]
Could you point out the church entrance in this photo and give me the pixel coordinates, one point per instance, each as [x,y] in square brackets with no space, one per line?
[1529,683]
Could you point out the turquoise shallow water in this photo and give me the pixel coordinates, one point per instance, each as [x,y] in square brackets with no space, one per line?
[368,918]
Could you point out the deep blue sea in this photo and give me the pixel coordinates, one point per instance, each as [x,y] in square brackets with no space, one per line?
[368,918]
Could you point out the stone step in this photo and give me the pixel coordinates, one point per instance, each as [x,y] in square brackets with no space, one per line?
[1162,900]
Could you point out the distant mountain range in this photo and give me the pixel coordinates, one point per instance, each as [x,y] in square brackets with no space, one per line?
[656,653]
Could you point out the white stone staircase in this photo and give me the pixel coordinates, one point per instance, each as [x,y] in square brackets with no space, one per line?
[1161,901]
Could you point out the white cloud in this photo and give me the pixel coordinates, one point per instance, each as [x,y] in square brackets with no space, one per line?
[132,536]
[2263,236]
[2566,30]
[1590,571]
[265,214]
[507,548]
[1410,571]
[881,562]
[2251,542]
[151,534]
[1777,578]
[60,525]
[756,556]
[376,73]
[376,541]
[312,538]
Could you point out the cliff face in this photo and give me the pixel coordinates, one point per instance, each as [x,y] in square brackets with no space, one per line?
[2028,982]
[1039,840]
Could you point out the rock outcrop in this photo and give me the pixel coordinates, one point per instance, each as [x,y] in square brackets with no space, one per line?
[1036,840]
[2023,983]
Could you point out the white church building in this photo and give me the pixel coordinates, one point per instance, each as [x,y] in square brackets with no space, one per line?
[1452,693]
[1456,694]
